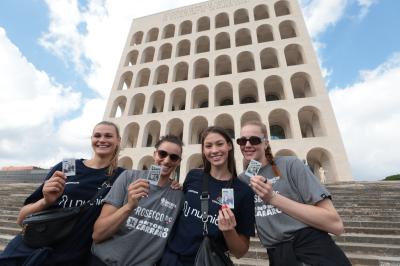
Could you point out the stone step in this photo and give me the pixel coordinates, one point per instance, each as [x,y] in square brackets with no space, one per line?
[368,238]
[371,249]
[8,230]
[356,258]
[8,212]
[350,238]
[368,211]
[379,224]
[4,239]
[367,205]
[10,208]
[249,262]
[369,218]
[8,223]
[372,230]
[372,260]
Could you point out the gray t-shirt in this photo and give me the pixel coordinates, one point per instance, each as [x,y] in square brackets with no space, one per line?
[141,239]
[296,183]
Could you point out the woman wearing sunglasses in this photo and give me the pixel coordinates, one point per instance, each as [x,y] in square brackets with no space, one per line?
[138,216]
[230,228]
[294,212]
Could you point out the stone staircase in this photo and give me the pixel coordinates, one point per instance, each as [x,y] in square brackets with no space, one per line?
[370,211]
[371,215]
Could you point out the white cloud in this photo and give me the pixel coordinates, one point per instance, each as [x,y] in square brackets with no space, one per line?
[368,115]
[320,14]
[95,51]
[365,6]
[30,102]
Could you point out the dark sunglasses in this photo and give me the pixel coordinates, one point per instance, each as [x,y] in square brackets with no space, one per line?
[163,154]
[254,140]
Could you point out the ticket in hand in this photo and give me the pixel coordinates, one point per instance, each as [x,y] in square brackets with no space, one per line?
[228,198]
[252,168]
[154,174]
[69,167]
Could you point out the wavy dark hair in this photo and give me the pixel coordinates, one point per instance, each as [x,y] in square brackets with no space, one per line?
[231,153]
[169,138]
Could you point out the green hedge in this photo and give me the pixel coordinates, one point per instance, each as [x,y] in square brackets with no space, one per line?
[392,177]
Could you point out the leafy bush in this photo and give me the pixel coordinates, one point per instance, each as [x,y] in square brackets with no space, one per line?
[392,177]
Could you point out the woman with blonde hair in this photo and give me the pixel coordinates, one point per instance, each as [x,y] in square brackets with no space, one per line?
[61,191]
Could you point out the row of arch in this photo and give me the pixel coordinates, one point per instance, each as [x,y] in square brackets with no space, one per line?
[287,29]
[245,62]
[240,16]
[316,158]
[248,92]
[279,121]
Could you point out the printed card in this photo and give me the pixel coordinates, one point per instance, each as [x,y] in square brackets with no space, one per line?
[69,167]
[154,174]
[228,198]
[253,168]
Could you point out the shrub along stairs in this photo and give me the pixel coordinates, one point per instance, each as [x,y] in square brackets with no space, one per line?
[370,211]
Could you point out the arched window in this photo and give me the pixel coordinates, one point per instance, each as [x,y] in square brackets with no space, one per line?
[185,27]
[200,97]
[282,8]
[243,37]
[245,62]
[268,58]
[287,29]
[264,34]
[161,75]
[137,38]
[181,71]
[152,35]
[301,85]
[223,65]
[222,41]
[142,78]
[203,24]
[202,44]
[125,81]
[273,88]
[221,20]
[294,55]
[131,58]
[169,31]
[183,48]
[248,91]
[165,51]
[261,12]
[148,55]
[223,94]
[201,69]
[137,104]
[241,16]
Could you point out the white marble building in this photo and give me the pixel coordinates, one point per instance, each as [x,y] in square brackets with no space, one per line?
[224,62]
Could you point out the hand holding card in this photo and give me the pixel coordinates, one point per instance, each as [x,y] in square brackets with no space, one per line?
[154,174]
[228,198]
[69,167]
[252,168]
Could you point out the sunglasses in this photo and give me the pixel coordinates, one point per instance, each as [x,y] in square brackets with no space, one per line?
[173,157]
[254,140]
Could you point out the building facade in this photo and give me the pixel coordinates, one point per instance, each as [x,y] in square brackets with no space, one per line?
[224,62]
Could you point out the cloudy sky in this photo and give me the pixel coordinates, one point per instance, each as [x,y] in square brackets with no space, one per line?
[58,60]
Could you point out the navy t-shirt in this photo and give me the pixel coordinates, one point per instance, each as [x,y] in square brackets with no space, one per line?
[78,189]
[188,231]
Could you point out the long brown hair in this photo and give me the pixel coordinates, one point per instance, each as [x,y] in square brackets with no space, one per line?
[114,159]
[268,152]
[231,153]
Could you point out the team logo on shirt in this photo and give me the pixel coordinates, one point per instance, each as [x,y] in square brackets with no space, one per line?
[166,203]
